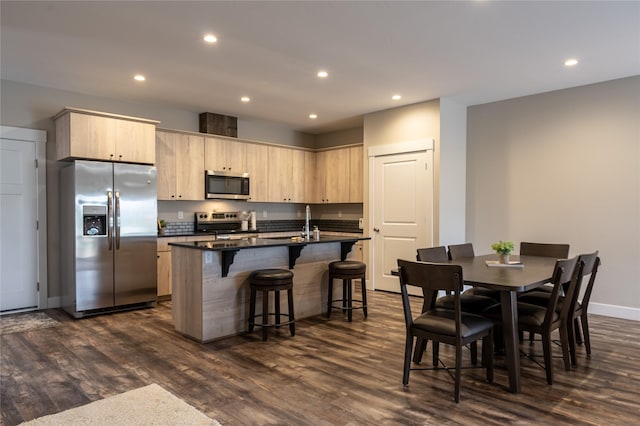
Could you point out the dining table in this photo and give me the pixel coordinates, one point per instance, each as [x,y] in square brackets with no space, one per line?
[524,274]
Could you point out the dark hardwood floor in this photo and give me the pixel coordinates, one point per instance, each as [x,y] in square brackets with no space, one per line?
[331,373]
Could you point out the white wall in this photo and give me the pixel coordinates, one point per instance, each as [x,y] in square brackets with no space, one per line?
[452,171]
[564,167]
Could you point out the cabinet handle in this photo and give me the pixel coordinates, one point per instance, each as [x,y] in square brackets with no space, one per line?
[173,196]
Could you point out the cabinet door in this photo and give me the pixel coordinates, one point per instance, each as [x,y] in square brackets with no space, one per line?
[164,273]
[258,168]
[337,189]
[189,167]
[355,174]
[225,155]
[310,190]
[321,177]
[92,137]
[297,183]
[135,142]
[280,174]
[166,165]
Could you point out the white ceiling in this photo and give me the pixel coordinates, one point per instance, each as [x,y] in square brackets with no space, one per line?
[469,51]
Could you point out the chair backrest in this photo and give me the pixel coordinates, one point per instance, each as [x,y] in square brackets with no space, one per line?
[432,254]
[458,251]
[591,264]
[430,277]
[558,251]
[565,277]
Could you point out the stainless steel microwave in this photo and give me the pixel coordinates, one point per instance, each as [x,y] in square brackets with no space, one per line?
[231,186]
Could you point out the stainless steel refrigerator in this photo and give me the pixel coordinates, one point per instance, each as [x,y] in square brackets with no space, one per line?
[108,232]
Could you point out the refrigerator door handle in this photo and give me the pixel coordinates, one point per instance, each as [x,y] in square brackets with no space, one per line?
[117,219]
[110,219]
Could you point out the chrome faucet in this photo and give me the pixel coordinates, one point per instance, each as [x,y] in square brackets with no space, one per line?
[307,218]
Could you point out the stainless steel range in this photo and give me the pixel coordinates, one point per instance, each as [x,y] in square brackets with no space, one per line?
[218,223]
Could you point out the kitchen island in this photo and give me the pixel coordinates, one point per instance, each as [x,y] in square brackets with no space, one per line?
[211,279]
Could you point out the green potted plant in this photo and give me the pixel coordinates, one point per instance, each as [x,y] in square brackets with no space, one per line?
[162,226]
[504,250]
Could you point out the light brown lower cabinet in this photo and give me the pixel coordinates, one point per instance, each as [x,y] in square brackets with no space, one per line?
[164,274]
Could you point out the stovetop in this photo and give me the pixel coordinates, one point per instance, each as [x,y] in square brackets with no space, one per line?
[216,223]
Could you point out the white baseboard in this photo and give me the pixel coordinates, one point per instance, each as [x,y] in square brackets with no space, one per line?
[614,311]
[53,302]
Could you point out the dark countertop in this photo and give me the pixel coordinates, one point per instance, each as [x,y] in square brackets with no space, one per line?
[251,243]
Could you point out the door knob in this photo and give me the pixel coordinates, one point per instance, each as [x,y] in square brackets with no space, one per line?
[376,230]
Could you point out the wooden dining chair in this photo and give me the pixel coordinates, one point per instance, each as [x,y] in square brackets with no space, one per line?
[453,327]
[470,303]
[432,254]
[577,314]
[543,320]
[558,251]
[457,251]
[460,251]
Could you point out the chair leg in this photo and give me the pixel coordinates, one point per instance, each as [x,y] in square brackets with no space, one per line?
[421,346]
[276,302]
[585,333]
[487,356]
[473,346]
[252,310]
[546,348]
[344,296]
[458,371]
[576,327]
[436,352]
[292,317]
[363,284]
[531,335]
[408,347]
[564,343]
[330,293]
[265,314]
[350,299]
[571,334]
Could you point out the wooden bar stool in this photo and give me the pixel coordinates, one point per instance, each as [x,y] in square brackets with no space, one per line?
[266,281]
[347,271]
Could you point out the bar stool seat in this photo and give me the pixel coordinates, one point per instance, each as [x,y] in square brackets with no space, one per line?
[347,271]
[266,281]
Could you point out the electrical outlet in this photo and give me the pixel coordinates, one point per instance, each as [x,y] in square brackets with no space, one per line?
[361,223]
[339,213]
[180,214]
[264,214]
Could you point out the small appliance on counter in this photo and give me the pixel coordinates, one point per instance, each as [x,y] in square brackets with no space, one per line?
[223,225]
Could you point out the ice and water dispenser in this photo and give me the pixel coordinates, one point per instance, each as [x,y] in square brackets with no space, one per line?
[94,220]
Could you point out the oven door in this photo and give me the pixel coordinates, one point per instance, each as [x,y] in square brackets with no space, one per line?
[226,185]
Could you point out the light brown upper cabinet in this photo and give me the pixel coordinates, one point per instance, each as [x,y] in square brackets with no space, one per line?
[224,155]
[180,166]
[258,168]
[339,175]
[355,174]
[286,175]
[333,176]
[91,135]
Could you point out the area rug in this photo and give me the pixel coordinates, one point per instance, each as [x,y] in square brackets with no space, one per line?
[150,405]
[17,323]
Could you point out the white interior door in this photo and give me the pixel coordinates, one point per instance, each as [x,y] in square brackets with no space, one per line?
[18,213]
[402,207]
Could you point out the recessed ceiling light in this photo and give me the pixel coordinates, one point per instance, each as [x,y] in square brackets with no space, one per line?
[396,97]
[313,116]
[245,99]
[323,74]
[210,38]
[139,77]
[570,62]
